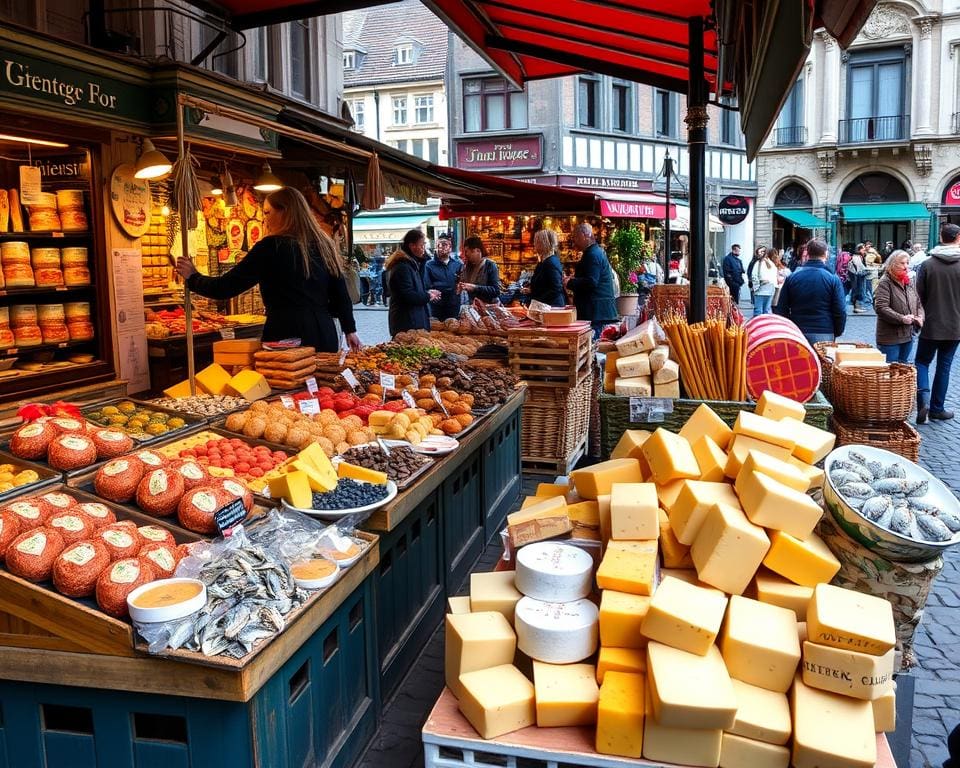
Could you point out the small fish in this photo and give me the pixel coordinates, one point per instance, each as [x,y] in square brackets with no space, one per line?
[857,490]
[181,634]
[932,528]
[843,476]
[857,458]
[901,521]
[948,518]
[917,488]
[876,507]
[861,471]
[876,468]
[890,486]
[895,470]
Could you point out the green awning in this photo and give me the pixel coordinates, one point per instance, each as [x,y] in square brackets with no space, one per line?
[884,212]
[408,221]
[803,219]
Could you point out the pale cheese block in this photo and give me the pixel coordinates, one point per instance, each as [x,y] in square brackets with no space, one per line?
[781,471]
[885,712]
[688,690]
[812,444]
[535,508]
[633,365]
[629,566]
[762,428]
[683,746]
[684,616]
[762,715]
[620,714]
[566,694]
[603,509]
[775,505]
[689,575]
[815,475]
[670,457]
[770,588]
[777,407]
[658,356]
[759,643]
[694,500]
[670,371]
[497,700]
[458,604]
[597,479]
[740,447]
[807,562]
[831,730]
[633,386]
[554,572]
[857,355]
[494,591]
[728,549]
[620,660]
[584,513]
[643,338]
[704,421]
[621,616]
[843,618]
[849,364]
[633,511]
[475,641]
[860,675]
[670,389]
[559,633]
[673,554]
[739,752]
[711,458]
[802,632]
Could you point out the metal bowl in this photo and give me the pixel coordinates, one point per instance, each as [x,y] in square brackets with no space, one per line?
[892,546]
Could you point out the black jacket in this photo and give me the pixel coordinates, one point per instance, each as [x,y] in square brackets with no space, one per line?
[297,306]
[732,270]
[443,277]
[813,298]
[546,285]
[592,287]
[409,300]
[488,281]
[938,285]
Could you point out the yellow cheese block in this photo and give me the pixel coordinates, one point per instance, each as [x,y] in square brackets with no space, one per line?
[684,616]
[728,549]
[621,615]
[762,715]
[585,513]
[234,358]
[620,714]
[860,675]
[670,457]
[633,386]
[237,346]
[704,421]
[553,506]
[774,505]
[831,730]
[497,700]
[740,447]
[813,473]
[885,712]
[494,591]
[738,752]
[668,493]
[213,380]
[778,407]
[610,362]
[546,490]
[694,500]
[808,562]
[249,385]
[673,554]
[596,480]
[633,511]
[179,390]
[689,575]
[566,694]
[858,354]
[762,428]
[294,487]
[633,365]
[313,454]
[712,460]
[620,660]
[459,604]
[812,444]
[843,618]
[770,588]
[690,691]
[319,482]
[683,746]
[630,446]
[628,566]
[345,469]
[643,338]
[781,471]
[670,389]
[759,644]
[475,641]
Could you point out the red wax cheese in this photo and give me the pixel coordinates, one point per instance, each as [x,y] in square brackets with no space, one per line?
[31,555]
[31,441]
[65,424]
[9,529]
[153,534]
[77,568]
[161,556]
[71,451]
[30,512]
[72,526]
[118,580]
[100,515]
[160,491]
[117,480]
[236,490]
[55,502]
[193,474]
[198,507]
[111,443]
[121,540]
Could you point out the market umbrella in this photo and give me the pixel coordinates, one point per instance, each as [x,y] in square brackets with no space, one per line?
[373,196]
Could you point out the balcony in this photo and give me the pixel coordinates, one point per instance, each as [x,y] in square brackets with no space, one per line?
[955,123]
[865,130]
[791,136]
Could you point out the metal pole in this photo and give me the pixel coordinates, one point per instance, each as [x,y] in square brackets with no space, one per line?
[696,121]
[668,172]
[184,247]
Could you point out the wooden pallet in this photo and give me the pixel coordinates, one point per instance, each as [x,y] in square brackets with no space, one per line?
[551,357]
[539,465]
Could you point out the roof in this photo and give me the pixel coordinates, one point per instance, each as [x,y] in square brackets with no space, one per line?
[375,33]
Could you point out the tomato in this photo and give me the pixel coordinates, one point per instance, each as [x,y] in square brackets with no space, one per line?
[265,464]
[236,441]
[256,472]
[279,456]
[215,463]
[241,466]
[261,449]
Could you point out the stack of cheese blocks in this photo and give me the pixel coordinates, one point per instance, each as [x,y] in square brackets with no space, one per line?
[640,367]
[215,380]
[721,642]
[235,355]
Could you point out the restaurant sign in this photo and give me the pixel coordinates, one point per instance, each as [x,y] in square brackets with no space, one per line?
[951,195]
[629,209]
[511,153]
[733,209]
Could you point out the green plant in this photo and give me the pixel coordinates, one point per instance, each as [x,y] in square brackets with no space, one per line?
[627,251]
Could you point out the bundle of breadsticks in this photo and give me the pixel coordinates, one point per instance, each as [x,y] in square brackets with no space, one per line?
[286,368]
[712,357]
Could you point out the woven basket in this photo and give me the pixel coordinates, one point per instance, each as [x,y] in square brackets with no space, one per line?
[826,364]
[555,421]
[664,298]
[897,437]
[874,394]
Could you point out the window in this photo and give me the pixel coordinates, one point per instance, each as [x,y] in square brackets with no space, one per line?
[730,132]
[399,110]
[491,104]
[356,109]
[790,128]
[665,113]
[400,144]
[876,97]
[423,108]
[417,148]
[588,102]
[403,54]
[349,59]
[259,54]
[223,58]
[433,150]
[621,112]
[300,58]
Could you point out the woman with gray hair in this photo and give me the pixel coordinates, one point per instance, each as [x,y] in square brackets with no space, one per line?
[546,285]
[899,312]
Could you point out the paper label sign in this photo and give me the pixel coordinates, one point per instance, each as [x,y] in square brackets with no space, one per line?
[650,408]
[229,515]
[30,190]
[474,315]
[436,396]
[408,399]
[309,406]
[227,333]
[312,385]
[465,375]
[287,402]
[343,356]
[348,377]
[388,380]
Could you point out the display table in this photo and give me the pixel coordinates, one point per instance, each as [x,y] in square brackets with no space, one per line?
[168,357]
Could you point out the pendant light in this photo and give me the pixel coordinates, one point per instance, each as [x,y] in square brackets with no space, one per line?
[268,181]
[216,186]
[229,189]
[152,163]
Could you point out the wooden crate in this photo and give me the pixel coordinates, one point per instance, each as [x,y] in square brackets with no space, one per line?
[555,427]
[551,357]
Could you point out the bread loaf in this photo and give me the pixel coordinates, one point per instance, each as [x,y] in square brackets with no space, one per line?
[285,355]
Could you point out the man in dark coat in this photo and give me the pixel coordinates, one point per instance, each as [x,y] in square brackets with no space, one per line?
[592,282]
[813,298]
[733,273]
[409,298]
[442,273]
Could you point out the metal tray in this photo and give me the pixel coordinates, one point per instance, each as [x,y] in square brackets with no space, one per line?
[401,486]
[191,421]
[47,477]
[209,419]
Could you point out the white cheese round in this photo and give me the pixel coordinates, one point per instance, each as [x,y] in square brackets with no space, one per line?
[554,572]
[557,633]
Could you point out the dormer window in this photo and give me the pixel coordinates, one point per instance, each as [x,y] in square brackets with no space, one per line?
[403,54]
[349,59]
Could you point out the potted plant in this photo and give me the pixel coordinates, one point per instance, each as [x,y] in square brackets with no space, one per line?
[627,250]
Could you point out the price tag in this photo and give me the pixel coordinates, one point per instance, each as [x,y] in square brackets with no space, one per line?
[473,315]
[287,402]
[309,406]
[343,355]
[655,416]
[408,399]
[416,380]
[229,515]
[664,404]
[465,375]
[227,333]
[30,190]
[388,380]
[436,396]
[348,377]
[312,385]
[638,409]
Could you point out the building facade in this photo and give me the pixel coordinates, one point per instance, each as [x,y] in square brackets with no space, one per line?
[866,146]
[394,60]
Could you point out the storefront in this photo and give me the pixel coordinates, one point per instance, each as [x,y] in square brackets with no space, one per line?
[876,207]
[949,211]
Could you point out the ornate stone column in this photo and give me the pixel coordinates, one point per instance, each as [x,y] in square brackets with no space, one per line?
[923,77]
[831,89]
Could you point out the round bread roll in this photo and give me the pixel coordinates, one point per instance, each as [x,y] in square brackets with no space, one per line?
[160,491]
[120,540]
[111,443]
[30,556]
[117,480]
[162,556]
[72,526]
[29,511]
[194,475]
[77,568]
[153,534]
[198,507]
[100,515]
[32,440]
[55,502]
[71,450]
[118,580]
[9,529]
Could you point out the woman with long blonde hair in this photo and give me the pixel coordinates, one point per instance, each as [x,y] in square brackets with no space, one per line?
[300,273]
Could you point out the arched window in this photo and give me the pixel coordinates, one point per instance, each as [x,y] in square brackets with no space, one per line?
[794,196]
[875,188]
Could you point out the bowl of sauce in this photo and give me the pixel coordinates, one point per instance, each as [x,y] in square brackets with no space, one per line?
[166,600]
[315,572]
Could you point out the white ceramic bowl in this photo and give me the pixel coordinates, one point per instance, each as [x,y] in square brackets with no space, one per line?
[318,583]
[166,612]
[336,514]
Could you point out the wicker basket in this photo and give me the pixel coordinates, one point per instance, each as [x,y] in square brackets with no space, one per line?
[555,426]
[874,394]
[615,416]
[664,298]
[826,364]
[897,437]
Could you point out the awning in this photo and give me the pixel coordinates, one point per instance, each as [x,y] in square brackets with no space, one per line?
[497,195]
[635,206]
[682,221]
[803,219]
[884,212]
[387,229]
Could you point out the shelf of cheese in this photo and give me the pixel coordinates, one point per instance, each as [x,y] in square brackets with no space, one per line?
[718,640]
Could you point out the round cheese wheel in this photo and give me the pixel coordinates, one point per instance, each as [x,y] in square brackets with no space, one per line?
[554,572]
[557,633]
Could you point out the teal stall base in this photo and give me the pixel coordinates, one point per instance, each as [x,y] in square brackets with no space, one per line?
[501,474]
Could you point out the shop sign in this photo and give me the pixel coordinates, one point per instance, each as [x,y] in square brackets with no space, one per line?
[70,167]
[130,201]
[628,209]
[607,182]
[504,154]
[733,209]
[951,196]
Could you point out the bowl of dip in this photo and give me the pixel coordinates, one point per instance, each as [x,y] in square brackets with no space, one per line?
[166,600]
[315,572]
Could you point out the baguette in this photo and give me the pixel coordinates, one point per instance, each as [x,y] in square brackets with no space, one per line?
[285,355]
[16,214]
[4,210]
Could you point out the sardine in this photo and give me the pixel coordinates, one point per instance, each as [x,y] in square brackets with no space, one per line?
[857,491]
[932,528]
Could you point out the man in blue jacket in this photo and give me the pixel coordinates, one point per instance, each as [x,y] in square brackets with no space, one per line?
[592,282]
[812,297]
[443,273]
[733,273]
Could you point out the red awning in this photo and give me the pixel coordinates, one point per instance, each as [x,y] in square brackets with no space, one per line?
[509,196]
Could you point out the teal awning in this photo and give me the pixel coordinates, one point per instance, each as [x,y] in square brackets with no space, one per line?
[409,221]
[803,219]
[884,212]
